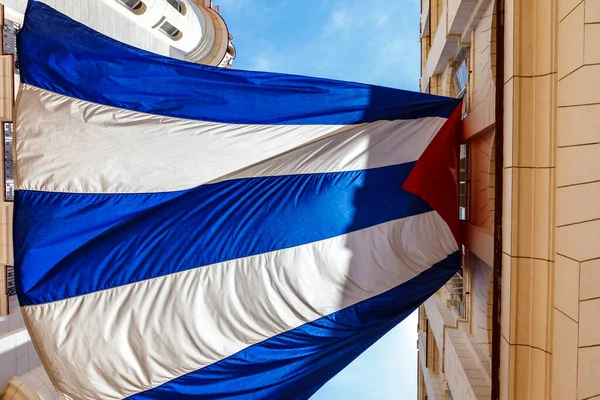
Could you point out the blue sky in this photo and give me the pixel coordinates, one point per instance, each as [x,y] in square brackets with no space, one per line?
[370,41]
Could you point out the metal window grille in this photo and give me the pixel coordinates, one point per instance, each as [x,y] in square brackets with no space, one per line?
[9,40]
[8,162]
[10,281]
[456,289]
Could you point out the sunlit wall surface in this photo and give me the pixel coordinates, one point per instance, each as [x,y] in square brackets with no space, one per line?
[550,341]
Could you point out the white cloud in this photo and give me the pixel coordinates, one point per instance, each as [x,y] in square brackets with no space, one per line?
[261,63]
[338,23]
[339,19]
[381,21]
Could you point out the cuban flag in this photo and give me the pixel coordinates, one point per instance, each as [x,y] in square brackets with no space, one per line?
[190,232]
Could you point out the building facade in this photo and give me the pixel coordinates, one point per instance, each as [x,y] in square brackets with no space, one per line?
[191,30]
[549,339]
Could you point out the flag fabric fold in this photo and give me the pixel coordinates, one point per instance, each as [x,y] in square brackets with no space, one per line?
[190,232]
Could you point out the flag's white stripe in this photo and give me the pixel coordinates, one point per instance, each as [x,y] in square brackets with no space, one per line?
[147,333]
[81,147]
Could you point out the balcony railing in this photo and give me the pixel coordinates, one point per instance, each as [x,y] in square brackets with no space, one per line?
[455,287]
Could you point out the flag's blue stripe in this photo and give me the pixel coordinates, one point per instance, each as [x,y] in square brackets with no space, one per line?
[71,244]
[64,56]
[295,364]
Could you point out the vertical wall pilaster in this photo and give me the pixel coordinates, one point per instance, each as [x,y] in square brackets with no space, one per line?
[529,198]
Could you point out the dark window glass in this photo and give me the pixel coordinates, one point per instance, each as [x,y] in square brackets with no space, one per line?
[169,29]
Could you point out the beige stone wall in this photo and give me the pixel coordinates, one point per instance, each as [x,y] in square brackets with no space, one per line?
[6,249]
[551,308]
[6,114]
[6,87]
[19,390]
[437,8]
[550,341]
[480,152]
[460,362]
[576,363]
[482,82]
[482,303]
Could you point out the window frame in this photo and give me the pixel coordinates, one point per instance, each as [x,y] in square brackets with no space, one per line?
[4,164]
[466,183]
[178,5]
[10,278]
[138,9]
[458,287]
[174,35]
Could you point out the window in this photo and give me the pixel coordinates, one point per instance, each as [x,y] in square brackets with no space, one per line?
[135,6]
[9,193]
[178,5]
[460,78]
[460,81]
[170,31]
[11,289]
[456,289]
[448,391]
[431,350]
[9,36]
[492,184]
[463,183]
[457,286]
